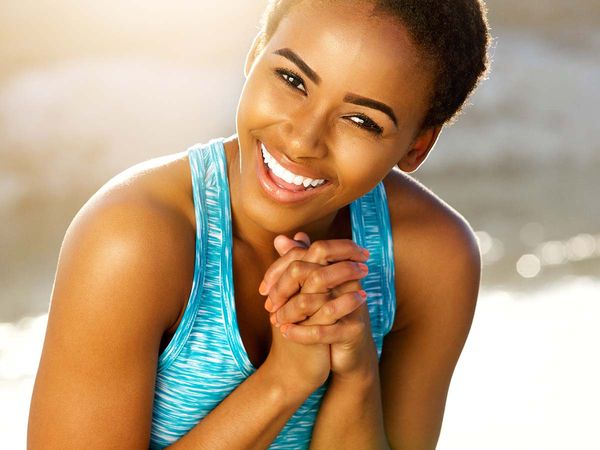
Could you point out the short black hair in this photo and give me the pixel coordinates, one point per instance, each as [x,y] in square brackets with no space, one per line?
[452,34]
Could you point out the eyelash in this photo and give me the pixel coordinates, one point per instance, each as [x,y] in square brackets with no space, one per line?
[372,127]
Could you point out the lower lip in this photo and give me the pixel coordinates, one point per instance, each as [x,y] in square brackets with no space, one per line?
[278,193]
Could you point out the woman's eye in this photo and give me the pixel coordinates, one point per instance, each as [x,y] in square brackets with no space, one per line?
[292,79]
[367,124]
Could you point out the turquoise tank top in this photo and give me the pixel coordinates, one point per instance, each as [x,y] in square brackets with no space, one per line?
[205,359]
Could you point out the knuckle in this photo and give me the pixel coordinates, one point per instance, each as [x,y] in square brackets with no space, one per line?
[320,249]
[329,309]
[302,303]
[317,278]
[274,291]
[315,333]
[295,269]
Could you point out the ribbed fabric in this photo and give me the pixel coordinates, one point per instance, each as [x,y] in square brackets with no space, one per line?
[206,359]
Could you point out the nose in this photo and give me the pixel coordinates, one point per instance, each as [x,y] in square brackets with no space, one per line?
[304,134]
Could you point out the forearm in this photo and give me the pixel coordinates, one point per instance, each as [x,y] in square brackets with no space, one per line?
[251,417]
[351,415]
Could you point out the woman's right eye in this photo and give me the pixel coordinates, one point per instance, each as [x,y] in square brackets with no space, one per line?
[292,79]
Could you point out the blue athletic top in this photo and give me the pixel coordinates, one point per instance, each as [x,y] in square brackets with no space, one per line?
[205,359]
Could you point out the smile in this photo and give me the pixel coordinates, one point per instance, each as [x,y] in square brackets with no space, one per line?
[287,176]
[281,184]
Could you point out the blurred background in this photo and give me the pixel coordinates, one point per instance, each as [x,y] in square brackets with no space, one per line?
[89,88]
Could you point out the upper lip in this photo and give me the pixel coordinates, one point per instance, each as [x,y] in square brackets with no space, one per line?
[292,167]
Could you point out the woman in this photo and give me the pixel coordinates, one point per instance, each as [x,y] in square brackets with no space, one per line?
[354,285]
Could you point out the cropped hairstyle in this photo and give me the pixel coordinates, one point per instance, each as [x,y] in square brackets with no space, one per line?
[452,35]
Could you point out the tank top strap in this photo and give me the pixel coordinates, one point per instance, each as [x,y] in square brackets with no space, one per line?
[209,189]
[372,230]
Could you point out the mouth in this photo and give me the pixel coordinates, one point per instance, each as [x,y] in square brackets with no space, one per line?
[283,185]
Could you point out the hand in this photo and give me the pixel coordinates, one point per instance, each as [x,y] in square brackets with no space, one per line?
[329,297]
[299,257]
[304,367]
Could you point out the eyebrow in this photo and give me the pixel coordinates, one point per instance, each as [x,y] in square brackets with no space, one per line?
[348,98]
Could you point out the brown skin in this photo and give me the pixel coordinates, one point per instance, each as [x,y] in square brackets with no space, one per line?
[135,237]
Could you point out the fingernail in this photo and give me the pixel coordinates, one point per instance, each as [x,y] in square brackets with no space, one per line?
[284,329]
[363,267]
[262,289]
[268,304]
[366,252]
[273,320]
[363,294]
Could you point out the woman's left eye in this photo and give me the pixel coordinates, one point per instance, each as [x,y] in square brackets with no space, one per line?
[292,79]
[365,123]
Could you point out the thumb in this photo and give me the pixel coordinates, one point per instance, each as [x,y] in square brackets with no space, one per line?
[284,244]
[302,236]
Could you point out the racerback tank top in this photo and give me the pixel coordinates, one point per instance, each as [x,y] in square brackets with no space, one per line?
[205,359]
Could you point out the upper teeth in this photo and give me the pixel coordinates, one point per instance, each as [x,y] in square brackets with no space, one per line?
[285,174]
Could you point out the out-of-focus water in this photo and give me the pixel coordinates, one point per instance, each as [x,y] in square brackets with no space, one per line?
[526,379]
[525,152]
[521,165]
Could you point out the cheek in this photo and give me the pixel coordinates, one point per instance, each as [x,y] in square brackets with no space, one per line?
[361,170]
[260,102]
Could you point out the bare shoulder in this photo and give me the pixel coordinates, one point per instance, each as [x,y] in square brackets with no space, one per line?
[143,218]
[436,255]
[124,268]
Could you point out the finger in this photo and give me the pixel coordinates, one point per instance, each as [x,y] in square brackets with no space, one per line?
[290,282]
[348,286]
[342,331]
[336,309]
[276,269]
[312,278]
[325,278]
[302,236]
[320,252]
[332,250]
[283,244]
[299,308]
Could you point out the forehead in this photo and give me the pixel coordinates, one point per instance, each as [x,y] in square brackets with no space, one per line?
[353,50]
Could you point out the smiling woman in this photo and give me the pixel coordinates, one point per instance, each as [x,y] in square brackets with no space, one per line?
[287,286]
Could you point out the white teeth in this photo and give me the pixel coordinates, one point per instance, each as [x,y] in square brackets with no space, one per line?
[285,174]
[288,176]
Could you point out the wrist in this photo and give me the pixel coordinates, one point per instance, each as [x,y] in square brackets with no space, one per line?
[365,369]
[283,386]
[364,377]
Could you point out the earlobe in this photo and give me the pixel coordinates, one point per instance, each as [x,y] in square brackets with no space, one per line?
[419,149]
[254,50]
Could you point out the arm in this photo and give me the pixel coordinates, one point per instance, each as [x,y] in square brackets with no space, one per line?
[124,271]
[351,415]
[432,323]
[418,357]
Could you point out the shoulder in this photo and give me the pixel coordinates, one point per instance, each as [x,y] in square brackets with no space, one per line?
[436,255]
[137,233]
[124,267]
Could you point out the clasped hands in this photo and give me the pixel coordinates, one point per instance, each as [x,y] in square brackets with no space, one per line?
[315,297]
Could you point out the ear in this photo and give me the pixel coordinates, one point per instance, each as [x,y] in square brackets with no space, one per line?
[253,53]
[419,149]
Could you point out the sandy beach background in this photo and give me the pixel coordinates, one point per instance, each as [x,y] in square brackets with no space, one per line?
[88,89]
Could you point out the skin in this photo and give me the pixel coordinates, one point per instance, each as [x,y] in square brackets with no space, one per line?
[435,253]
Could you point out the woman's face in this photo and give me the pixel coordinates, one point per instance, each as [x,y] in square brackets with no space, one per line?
[334,95]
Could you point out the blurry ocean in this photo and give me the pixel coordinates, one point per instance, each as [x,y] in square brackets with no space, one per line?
[521,165]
